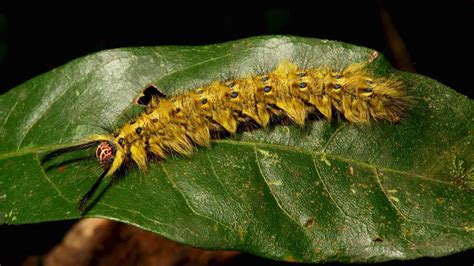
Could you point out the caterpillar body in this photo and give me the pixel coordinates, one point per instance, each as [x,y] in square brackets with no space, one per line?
[179,123]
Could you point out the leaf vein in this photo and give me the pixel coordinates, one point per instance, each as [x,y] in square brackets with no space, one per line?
[399,212]
[274,196]
[332,136]
[326,187]
[173,184]
[50,181]
[9,114]
[222,184]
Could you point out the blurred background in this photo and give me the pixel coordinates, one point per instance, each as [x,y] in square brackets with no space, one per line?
[430,38]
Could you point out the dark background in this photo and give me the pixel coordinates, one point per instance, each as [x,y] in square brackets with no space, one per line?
[437,38]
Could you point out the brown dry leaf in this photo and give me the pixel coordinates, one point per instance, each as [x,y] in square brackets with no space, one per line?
[97,241]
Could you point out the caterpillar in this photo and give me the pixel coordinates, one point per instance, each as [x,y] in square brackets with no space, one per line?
[178,123]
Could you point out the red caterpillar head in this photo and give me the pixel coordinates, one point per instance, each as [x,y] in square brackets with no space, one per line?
[105,153]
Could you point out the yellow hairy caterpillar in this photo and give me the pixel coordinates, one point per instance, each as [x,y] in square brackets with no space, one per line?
[178,123]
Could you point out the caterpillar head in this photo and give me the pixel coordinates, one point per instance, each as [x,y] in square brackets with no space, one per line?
[110,156]
[105,153]
[110,153]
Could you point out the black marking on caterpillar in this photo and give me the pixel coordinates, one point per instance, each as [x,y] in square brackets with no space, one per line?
[178,123]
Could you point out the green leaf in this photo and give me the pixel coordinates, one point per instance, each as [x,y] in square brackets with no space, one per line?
[331,191]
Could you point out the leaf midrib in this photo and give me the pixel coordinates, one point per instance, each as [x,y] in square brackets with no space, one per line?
[333,156]
[249,143]
[254,146]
